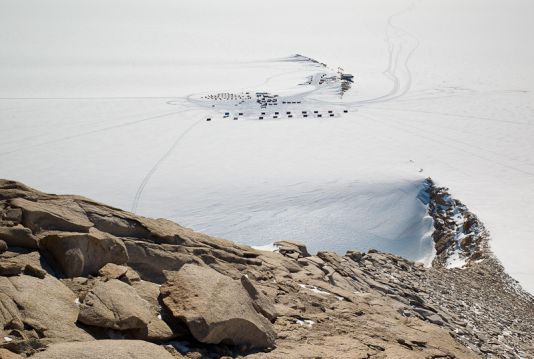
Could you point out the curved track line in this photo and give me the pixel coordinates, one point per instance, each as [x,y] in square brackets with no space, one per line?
[399,89]
[396,49]
[90,98]
[154,168]
[76,124]
[93,132]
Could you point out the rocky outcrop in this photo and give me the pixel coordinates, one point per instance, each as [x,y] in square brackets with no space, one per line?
[59,214]
[112,271]
[460,237]
[292,249]
[15,263]
[36,311]
[151,259]
[6,354]
[116,305]
[104,349]
[3,246]
[216,308]
[81,254]
[18,236]
[76,275]
[263,304]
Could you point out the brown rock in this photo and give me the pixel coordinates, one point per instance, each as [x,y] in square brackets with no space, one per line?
[150,260]
[288,248]
[215,308]
[6,354]
[157,330]
[262,304]
[116,305]
[130,277]
[355,255]
[81,254]
[3,246]
[27,263]
[18,236]
[9,313]
[45,305]
[114,221]
[55,214]
[112,271]
[104,349]
[13,214]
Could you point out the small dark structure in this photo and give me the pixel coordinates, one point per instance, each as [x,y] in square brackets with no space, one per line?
[208,119]
[347,77]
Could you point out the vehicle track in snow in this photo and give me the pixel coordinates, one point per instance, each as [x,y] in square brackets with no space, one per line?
[154,168]
[401,47]
[86,133]
[77,124]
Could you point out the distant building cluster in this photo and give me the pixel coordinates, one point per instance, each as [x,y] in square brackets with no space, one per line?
[265,105]
[281,114]
[228,96]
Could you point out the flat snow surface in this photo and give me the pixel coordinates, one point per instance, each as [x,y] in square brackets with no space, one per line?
[110,100]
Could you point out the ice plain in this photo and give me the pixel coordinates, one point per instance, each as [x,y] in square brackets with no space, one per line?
[96,99]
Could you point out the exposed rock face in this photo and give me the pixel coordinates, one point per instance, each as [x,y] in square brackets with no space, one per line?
[215,308]
[44,305]
[151,259]
[56,214]
[18,236]
[104,349]
[116,305]
[3,246]
[112,271]
[63,254]
[6,354]
[81,254]
[161,326]
[14,263]
[460,237]
[263,304]
[292,249]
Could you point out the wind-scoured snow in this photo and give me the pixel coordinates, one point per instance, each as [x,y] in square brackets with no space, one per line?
[110,100]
